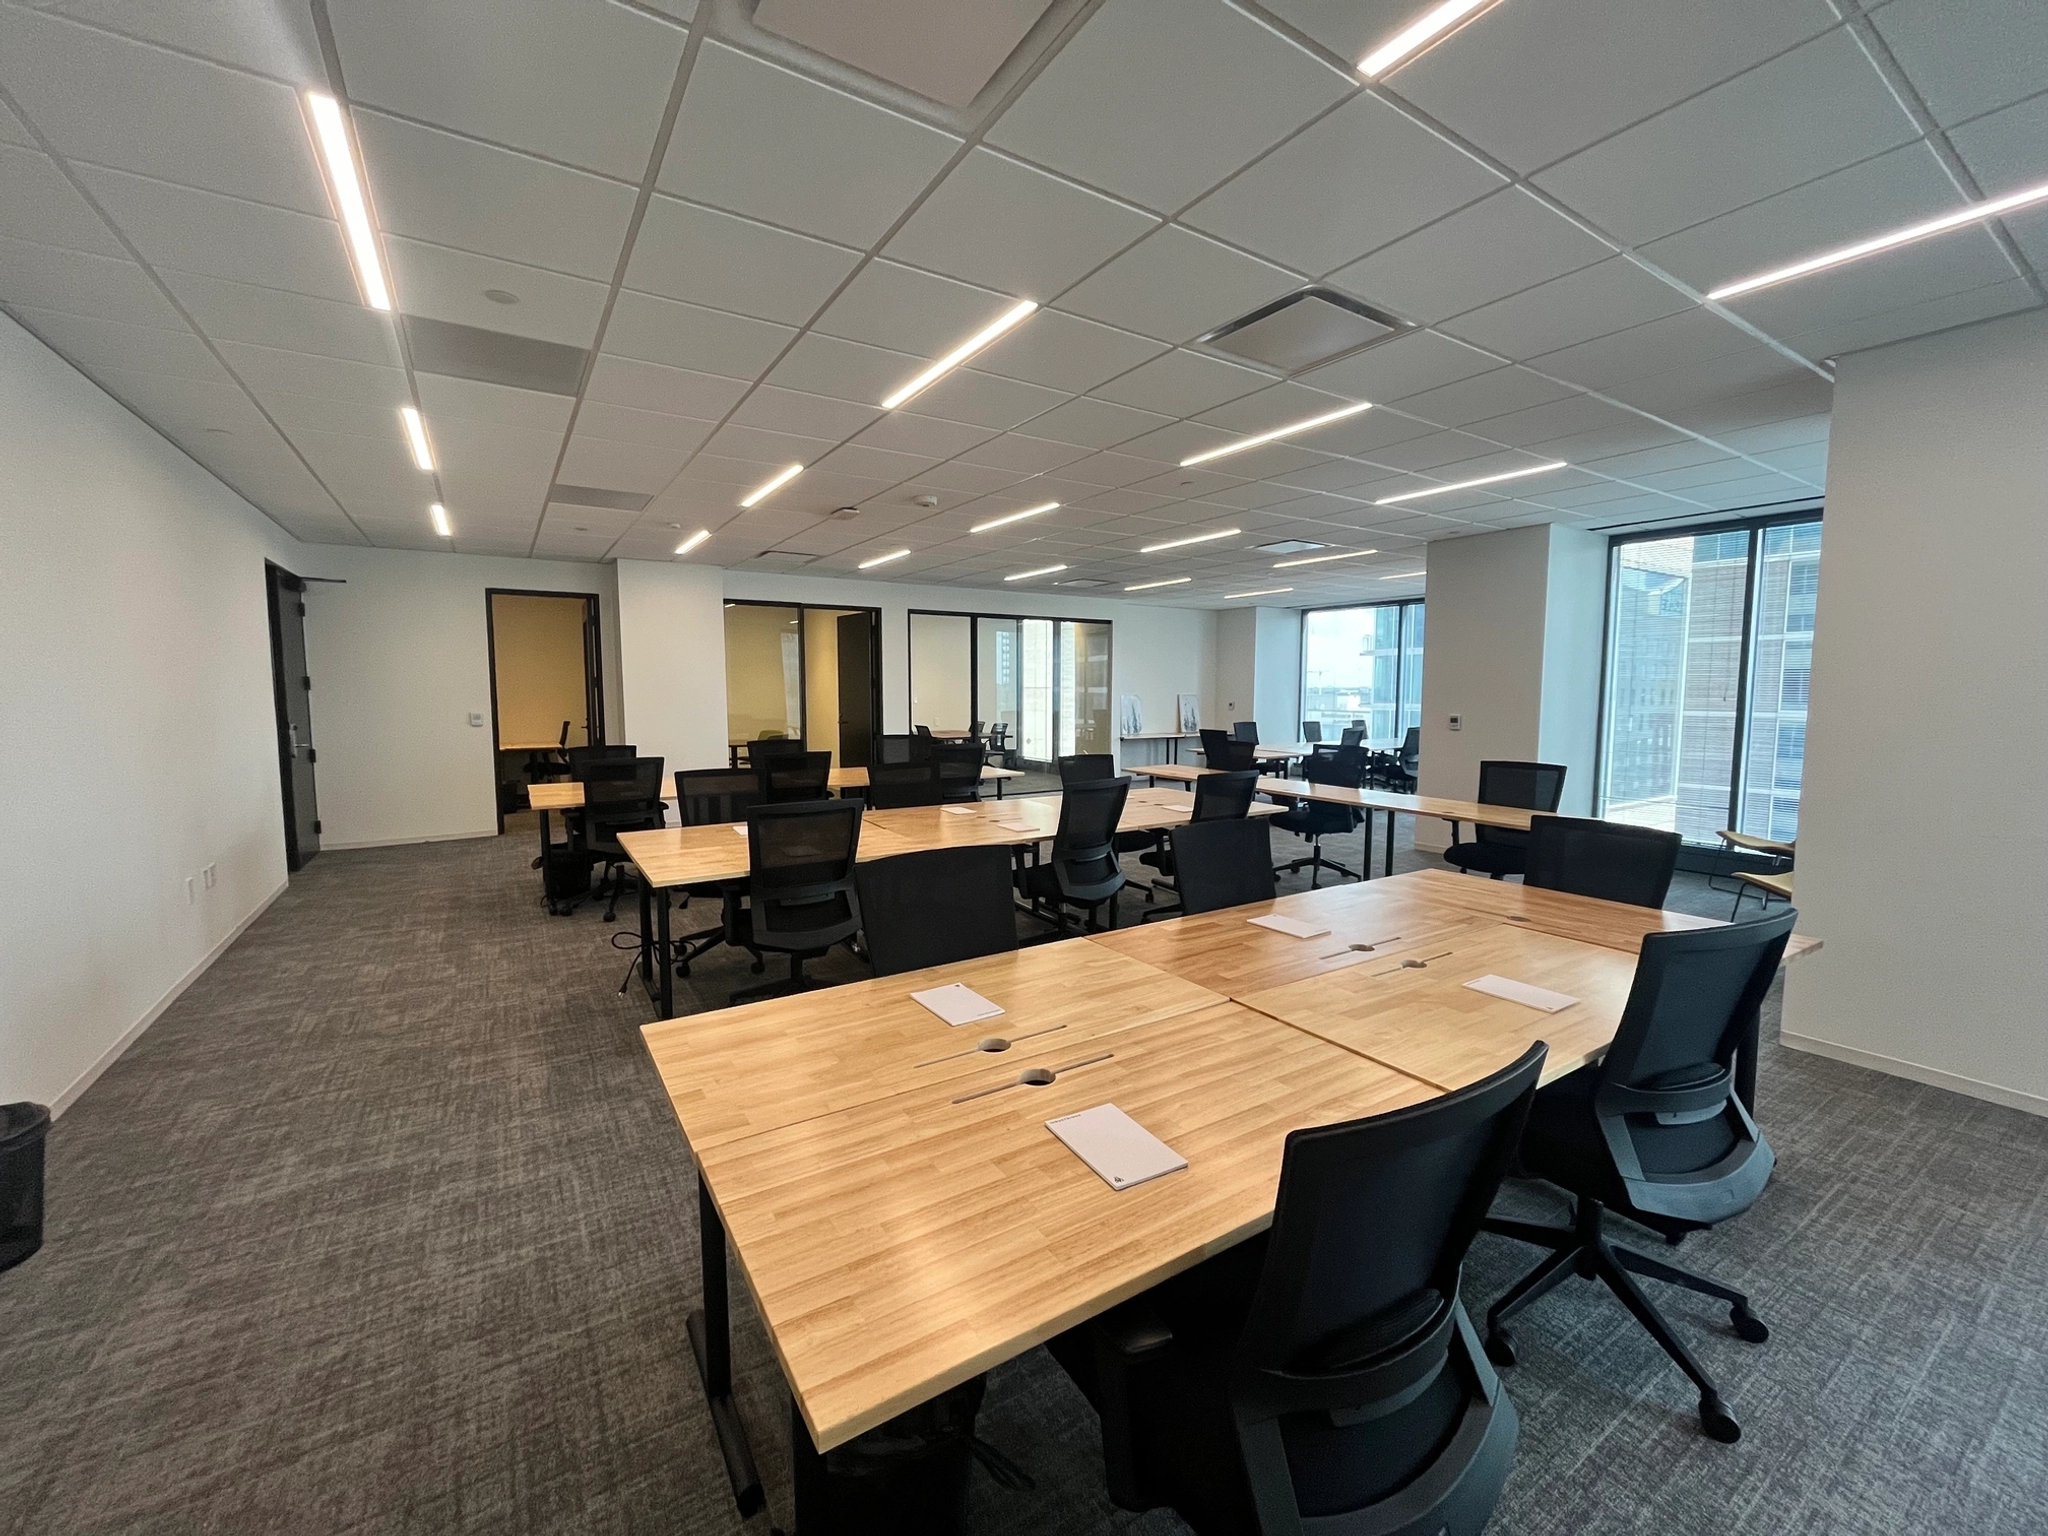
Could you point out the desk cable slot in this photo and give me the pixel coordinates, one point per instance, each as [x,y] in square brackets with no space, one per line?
[1036,1077]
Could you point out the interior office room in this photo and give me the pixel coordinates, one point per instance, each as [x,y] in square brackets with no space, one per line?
[1068,766]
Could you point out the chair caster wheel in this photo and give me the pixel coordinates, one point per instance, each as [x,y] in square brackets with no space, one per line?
[1717,1422]
[1500,1349]
[534,865]
[611,917]
[1748,1326]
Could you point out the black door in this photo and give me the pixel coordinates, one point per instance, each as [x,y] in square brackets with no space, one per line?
[293,688]
[593,675]
[856,689]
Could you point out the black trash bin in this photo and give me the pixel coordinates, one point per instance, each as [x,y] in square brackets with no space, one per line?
[23,1128]
[907,1477]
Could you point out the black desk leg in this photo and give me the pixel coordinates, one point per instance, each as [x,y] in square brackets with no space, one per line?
[807,1471]
[711,1342]
[1390,842]
[646,935]
[1365,853]
[664,956]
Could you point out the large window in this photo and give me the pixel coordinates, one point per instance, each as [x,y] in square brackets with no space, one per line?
[1363,665]
[1709,647]
[1046,679]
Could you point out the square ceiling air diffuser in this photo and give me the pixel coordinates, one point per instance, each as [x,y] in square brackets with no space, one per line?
[1307,327]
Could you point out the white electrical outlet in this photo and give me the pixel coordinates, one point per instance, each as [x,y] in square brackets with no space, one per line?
[476,717]
[206,874]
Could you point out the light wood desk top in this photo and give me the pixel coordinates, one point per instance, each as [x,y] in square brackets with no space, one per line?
[740,1071]
[857,778]
[1511,817]
[899,1247]
[1750,843]
[677,856]
[567,794]
[531,746]
[1159,736]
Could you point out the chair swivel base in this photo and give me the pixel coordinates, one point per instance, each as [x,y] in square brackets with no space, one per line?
[1584,1249]
[1315,861]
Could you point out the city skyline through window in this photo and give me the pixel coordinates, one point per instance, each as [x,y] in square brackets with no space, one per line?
[1363,664]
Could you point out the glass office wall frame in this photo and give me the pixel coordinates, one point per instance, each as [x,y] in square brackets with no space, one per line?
[1708,653]
[770,688]
[1047,679]
[1363,661]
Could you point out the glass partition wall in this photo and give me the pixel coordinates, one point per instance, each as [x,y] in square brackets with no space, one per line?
[1363,664]
[810,673]
[1047,680]
[1709,651]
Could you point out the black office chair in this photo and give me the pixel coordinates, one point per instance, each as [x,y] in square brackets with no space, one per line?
[800,898]
[959,765]
[1228,755]
[891,786]
[549,764]
[709,797]
[1318,819]
[1607,859]
[1086,767]
[1499,851]
[1401,771]
[613,803]
[770,748]
[1657,1132]
[580,758]
[1227,863]
[932,908]
[1311,730]
[1324,1376]
[996,750]
[789,776]
[1081,867]
[1244,730]
[902,749]
[1218,797]
[1350,736]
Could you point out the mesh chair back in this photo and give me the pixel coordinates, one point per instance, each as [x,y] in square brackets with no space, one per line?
[795,776]
[1215,744]
[902,749]
[1351,736]
[933,908]
[1223,863]
[1083,853]
[608,771]
[800,873]
[959,765]
[705,796]
[1357,1376]
[891,786]
[1232,756]
[769,748]
[1085,766]
[1311,730]
[622,802]
[1244,730]
[1343,769]
[1607,859]
[922,730]
[1681,1137]
[1531,786]
[1224,796]
[1411,750]
[581,758]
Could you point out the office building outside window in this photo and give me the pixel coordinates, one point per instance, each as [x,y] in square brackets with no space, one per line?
[1363,664]
[1710,644]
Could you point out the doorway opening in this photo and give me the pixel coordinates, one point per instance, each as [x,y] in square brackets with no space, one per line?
[547,684]
[807,673]
[291,686]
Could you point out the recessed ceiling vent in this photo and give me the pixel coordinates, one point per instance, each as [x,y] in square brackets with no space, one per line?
[945,50]
[494,357]
[597,496]
[1307,327]
[785,557]
[1083,581]
[1288,547]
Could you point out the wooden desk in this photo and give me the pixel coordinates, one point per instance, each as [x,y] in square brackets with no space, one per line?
[857,778]
[1173,739]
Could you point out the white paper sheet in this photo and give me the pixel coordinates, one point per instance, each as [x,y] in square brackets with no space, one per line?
[1522,992]
[741,829]
[1121,1151]
[956,1004]
[1289,926]
[957,810]
[1018,826]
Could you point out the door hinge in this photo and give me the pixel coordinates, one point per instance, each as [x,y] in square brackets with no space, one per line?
[316,826]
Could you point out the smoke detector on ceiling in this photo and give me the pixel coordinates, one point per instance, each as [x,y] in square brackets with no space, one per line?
[926,500]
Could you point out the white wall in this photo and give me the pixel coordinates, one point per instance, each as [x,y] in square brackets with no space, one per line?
[1276,674]
[672,640]
[1574,634]
[141,733]
[1236,689]
[1923,848]
[400,659]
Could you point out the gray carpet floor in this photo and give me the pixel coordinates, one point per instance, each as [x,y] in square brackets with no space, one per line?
[386,1227]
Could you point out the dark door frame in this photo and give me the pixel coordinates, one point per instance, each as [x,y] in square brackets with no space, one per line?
[803,654]
[593,669]
[294,857]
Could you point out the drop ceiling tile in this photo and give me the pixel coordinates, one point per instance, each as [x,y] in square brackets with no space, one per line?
[975,479]
[1498,246]
[819,416]
[38,203]
[1583,447]
[823,491]
[707,257]
[1331,476]
[566,519]
[845,370]
[1176,285]
[315,413]
[1365,175]
[1753,136]
[984,400]
[1695,476]
[666,331]
[1110,469]
[278,43]
[12,130]
[1570,416]
[1180,440]
[859,167]
[1957,262]
[1160,113]
[293,322]
[1181,383]
[575,80]
[923,436]
[365,469]
[1532,83]
[889,305]
[441,283]
[1065,352]
[1608,296]
[229,237]
[267,369]
[1968,59]
[1940,314]
[504,469]
[445,399]
[1026,455]
[1689,338]
[1650,461]
[764,447]
[1406,365]
[1441,448]
[2007,149]
[112,101]
[1797,393]
[1095,423]
[1273,406]
[93,345]
[877,464]
[1483,396]
[626,381]
[447,190]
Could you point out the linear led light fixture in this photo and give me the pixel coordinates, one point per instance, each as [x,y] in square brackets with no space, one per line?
[1043,570]
[1147,586]
[1990,209]
[345,185]
[1291,430]
[439,514]
[1014,517]
[761,493]
[693,541]
[1404,575]
[869,565]
[416,438]
[953,359]
[1349,554]
[1199,538]
[1231,597]
[1466,485]
[1418,34]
